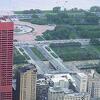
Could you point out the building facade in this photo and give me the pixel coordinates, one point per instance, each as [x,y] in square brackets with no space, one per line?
[42,89]
[77,96]
[26,83]
[81,81]
[57,93]
[94,85]
[6,58]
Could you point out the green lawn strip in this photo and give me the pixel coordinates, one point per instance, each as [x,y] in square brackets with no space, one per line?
[54,55]
[26,56]
[38,54]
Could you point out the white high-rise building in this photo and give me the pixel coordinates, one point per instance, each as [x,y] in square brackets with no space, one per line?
[81,81]
[60,80]
[26,83]
[94,85]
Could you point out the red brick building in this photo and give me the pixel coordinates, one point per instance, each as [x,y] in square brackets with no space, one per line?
[6,58]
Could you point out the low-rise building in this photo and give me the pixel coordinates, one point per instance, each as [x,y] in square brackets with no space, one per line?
[77,96]
[55,93]
[42,89]
[60,80]
[58,93]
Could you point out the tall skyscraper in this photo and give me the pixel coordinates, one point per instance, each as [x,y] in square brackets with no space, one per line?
[6,58]
[26,83]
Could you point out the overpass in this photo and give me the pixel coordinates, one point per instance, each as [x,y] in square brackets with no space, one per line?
[42,68]
[56,62]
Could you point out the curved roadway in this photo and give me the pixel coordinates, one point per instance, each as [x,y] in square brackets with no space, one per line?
[31,36]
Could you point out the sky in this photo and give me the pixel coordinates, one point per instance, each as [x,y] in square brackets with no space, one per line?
[46,4]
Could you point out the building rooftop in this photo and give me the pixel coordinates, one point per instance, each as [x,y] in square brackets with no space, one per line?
[56,89]
[58,77]
[82,74]
[5,19]
[41,81]
[27,67]
[66,91]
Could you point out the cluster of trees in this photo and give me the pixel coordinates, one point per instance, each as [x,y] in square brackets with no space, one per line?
[73,44]
[65,18]
[60,32]
[70,23]
[57,16]
[95,9]
[19,59]
[56,9]
[38,21]
[31,11]
[88,31]
[95,42]
[73,31]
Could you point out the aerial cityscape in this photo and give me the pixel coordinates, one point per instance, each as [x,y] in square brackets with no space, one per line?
[50,52]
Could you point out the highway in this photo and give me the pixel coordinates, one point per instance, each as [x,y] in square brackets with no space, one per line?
[56,62]
[33,59]
[41,66]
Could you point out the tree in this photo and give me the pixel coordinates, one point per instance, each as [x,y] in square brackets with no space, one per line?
[95,9]
[74,10]
[94,41]
[56,9]
[35,16]
[60,32]
[59,18]
[91,18]
[37,11]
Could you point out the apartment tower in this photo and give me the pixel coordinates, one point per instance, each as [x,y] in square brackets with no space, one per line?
[6,58]
[26,83]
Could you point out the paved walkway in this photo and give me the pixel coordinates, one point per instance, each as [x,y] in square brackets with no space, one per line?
[38,30]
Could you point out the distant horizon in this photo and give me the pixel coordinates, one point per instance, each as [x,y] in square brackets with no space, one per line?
[46,9]
[18,5]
